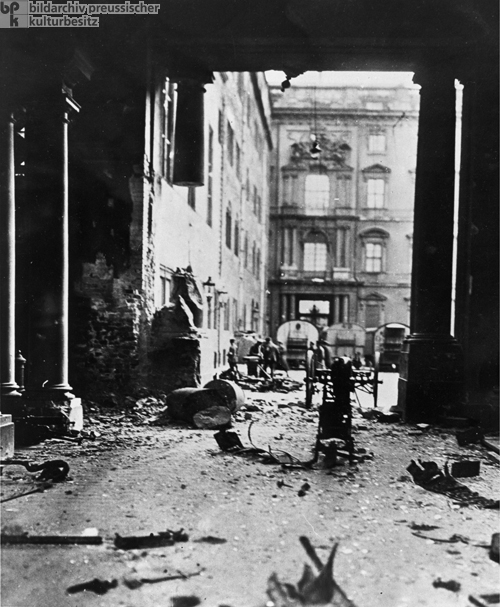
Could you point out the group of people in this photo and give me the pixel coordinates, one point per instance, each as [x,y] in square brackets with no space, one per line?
[265,357]
[269,357]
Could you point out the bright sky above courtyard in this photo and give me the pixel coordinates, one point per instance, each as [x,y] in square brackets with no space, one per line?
[364,79]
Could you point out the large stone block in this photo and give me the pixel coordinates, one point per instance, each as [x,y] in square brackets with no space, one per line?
[6,436]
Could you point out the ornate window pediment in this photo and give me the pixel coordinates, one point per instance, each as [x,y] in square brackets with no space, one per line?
[376,169]
[374,234]
[374,296]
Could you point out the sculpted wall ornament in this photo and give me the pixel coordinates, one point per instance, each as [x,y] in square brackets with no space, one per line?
[335,152]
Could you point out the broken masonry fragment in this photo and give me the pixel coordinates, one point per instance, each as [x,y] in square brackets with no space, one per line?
[96,585]
[495,548]
[164,538]
[451,585]
[466,468]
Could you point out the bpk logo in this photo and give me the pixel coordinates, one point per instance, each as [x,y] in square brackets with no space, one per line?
[14,14]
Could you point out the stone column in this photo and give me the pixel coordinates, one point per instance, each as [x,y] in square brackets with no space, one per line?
[7,257]
[47,170]
[430,384]
[8,388]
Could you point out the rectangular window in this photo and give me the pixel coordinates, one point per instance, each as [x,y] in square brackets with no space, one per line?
[373,257]
[315,257]
[245,252]
[164,290]
[376,191]
[192,197]
[255,200]
[376,143]
[230,144]
[210,176]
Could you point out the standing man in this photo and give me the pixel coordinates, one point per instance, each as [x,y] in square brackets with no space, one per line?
[270,354]
[232,358]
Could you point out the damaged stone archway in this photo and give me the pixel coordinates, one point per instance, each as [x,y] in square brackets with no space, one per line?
[439,41]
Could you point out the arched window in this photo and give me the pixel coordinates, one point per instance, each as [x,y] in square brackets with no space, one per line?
[317,194]
[315,253]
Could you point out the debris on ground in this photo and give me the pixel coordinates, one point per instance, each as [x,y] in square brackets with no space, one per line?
[230,442]
[429,476]
[185,601]
[134,582]
[321,589]
[380,416]
[495,548]
[39,489]
[422,527]
[485,600]
[210,539]
[455,538]
[96,585]
[304,489]
[164,538]
[451,585]
[466,468]
[53,470]
[24,538]
[469,436]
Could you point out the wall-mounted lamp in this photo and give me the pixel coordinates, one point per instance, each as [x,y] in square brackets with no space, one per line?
[209,286]
[223,297]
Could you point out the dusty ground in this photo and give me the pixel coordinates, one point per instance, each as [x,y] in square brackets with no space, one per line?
[137,479]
